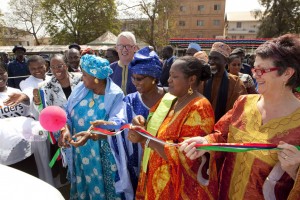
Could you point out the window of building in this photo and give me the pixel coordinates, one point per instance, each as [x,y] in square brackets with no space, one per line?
[242,37]
[239,24]
[201,8]
[182,8]
[217,7]
[233,37]
[181,23]
[27,43]
[216,22]
[200,23]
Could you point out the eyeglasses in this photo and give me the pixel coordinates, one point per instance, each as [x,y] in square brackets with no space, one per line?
[138,79]
[57,67]
[260,72]
[126,46]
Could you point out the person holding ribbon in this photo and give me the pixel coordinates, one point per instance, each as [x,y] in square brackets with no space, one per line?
[146,69]
[182,113]
[96,99]
[272,116]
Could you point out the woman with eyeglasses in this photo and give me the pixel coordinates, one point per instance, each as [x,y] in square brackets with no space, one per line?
[56,93]
[272,116]
[182,113]
[234,67]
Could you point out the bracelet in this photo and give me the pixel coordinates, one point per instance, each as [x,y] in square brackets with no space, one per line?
[147,143]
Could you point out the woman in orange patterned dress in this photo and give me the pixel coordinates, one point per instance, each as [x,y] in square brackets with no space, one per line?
[273,116]
[182,113]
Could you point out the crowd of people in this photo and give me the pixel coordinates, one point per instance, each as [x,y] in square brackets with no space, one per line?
[181,101]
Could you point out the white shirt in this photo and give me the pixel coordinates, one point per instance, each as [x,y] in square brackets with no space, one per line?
[20,109]
[31,83]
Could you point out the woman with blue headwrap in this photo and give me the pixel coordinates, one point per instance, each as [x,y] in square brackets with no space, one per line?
[92,166]
[146,70]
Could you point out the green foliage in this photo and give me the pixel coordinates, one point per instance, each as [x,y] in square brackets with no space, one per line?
[158,27]
[79,21]
[280,17]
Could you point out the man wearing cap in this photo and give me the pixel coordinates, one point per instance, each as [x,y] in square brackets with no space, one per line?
[18,67]
[223,88]
[167,55]
[75,46]
[126,47]
[245,69]
[192,49]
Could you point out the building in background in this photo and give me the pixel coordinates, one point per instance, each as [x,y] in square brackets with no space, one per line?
[14,36]
[200,19]
[241,25]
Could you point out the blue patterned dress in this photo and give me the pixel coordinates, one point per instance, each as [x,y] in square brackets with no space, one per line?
[94,166]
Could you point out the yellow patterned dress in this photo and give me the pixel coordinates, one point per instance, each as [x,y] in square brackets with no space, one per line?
[178,177]
[255,175]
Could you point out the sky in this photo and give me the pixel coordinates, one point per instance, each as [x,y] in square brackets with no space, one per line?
[231,5]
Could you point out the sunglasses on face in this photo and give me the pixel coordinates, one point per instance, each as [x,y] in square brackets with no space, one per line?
[260,72]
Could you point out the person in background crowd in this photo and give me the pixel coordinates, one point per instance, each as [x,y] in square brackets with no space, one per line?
[75,46]
[272,116]
[88,51]
[47,60]
[245,68]
[4,59]
[111,55]
[192,49]
[73,60]
[202,55]
[17,67]
[168,59]
[92,166]
[126,47]
[166,173]
[234,66]
[223,88]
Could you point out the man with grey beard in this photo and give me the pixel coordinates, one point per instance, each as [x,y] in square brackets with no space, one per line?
[223,88]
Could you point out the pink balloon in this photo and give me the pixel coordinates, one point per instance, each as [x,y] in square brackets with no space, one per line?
[53,118]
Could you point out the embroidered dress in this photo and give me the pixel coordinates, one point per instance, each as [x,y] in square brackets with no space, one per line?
[256,175]
[94,165]
[178,177]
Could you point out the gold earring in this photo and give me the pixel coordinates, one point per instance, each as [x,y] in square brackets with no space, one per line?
[153,82]
[190,91]
[96,81]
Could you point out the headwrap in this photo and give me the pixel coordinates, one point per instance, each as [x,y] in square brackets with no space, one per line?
[221,48]
[194,46]
[95,66]
[201,55]
[87,51]
[146,62]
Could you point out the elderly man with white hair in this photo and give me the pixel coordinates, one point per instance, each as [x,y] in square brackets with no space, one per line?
[126,47]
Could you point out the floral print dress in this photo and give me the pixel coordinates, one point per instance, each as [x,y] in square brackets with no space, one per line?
[94,166]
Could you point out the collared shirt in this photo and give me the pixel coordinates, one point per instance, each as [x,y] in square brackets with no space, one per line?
[120,77]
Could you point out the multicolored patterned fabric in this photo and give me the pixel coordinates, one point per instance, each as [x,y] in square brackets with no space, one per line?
[95,66]
[255,174]
[177,177]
